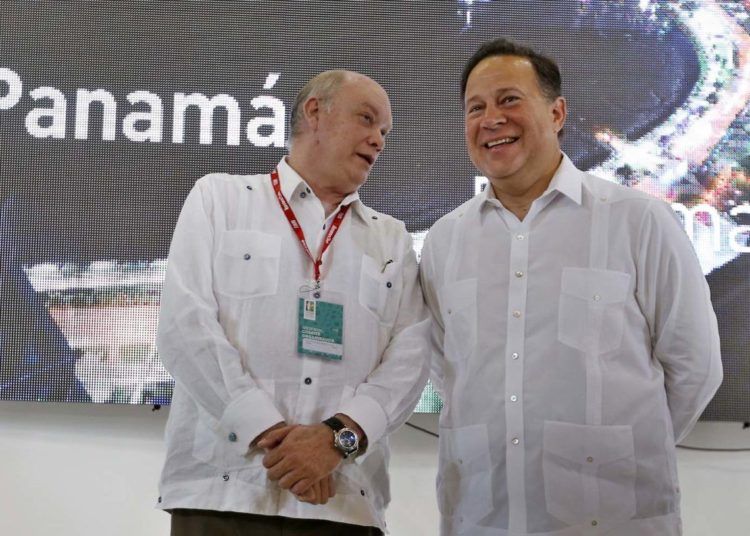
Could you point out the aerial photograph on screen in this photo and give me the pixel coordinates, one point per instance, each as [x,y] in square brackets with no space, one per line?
[109,113]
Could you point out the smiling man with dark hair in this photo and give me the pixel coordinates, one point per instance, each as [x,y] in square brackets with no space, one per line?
[574,337]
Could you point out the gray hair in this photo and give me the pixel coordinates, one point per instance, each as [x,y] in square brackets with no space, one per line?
[323,87]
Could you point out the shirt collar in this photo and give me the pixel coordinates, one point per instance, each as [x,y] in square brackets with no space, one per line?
[293,184]
[566,180]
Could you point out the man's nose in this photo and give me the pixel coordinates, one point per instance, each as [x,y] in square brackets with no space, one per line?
[493,117]
[377,140]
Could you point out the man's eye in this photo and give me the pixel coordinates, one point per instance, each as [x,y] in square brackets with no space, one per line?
[510,98]
[475,108]
[367,118]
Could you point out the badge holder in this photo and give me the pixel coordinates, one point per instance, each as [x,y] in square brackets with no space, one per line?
[320,323]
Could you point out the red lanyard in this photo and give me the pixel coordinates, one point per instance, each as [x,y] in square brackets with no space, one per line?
[297,228]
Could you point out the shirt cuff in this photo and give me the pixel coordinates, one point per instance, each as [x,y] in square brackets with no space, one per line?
[246,417]
[368,414]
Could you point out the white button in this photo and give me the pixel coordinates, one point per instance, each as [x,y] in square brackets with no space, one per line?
[597,297]
[517,314]
[513,398]
[590,459]
[603,198]
[519,237]
[594,523]
[515,441]
[519,274]
[514,355]
[449,311]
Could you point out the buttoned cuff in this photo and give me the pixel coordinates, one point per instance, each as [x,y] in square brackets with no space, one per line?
[246,417]
[368,414]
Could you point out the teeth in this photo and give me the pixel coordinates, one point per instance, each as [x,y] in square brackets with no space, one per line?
[500,142]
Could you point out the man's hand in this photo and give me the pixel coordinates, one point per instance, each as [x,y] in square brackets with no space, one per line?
[320,492]
[303,458]
[281,429]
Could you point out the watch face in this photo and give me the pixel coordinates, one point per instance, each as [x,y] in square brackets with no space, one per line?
[348,439]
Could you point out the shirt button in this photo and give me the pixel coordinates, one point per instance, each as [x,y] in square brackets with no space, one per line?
[519,274]
[374,217]
[515,441]
[514,355]
[388,284]
[590,459]
[362,492]
[307,190]
[249,187]
[517,314]
[246,256]
[513,398]
[594,523]
[232,437]
[519,237]
[225,477]
[597,297]
[303,195]
[308,381]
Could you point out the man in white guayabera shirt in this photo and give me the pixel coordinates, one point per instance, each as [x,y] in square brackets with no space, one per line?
[574,336]
[287,302]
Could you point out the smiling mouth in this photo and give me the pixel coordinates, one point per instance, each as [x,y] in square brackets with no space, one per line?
[501,141]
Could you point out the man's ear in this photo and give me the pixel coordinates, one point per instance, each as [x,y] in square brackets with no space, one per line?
[312,110]
[559,113]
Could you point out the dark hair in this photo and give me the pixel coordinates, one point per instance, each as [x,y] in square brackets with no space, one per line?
[547,71]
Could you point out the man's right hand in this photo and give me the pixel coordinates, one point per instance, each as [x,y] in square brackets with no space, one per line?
[320,492]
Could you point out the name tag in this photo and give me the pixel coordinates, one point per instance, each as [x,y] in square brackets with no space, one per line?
[320,330]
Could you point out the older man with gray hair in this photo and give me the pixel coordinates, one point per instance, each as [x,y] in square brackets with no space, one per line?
[293,324]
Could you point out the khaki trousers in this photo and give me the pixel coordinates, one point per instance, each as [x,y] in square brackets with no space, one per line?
[211,523]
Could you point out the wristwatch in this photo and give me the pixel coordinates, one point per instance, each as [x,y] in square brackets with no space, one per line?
[345,439]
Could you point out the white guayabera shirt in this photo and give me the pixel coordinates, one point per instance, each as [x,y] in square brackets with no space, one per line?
[228,335]
[572,349]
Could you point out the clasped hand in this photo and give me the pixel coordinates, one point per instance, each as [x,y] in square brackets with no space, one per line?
[302,458]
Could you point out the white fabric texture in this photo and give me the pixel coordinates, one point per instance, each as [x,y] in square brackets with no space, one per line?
[228,335]
[571,349]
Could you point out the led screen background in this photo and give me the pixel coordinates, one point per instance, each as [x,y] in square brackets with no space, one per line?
[109,113]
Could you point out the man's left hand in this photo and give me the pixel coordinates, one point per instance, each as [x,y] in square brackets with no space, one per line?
[304,457]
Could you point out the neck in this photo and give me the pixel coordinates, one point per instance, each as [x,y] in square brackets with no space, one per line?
[328,195]
[517,194]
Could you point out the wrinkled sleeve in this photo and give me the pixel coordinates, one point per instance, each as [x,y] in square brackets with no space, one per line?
[391,391]
[428,278]
[191,341]
[674,296]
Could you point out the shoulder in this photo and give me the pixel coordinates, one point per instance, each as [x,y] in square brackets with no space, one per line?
[382,223]
[216,183]
[445,224]
[633,206]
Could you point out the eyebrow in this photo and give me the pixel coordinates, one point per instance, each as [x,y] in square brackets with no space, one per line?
[497,92]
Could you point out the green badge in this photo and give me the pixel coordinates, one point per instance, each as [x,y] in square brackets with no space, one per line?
[320,329]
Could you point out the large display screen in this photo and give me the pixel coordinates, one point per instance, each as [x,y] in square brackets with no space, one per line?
[110,111]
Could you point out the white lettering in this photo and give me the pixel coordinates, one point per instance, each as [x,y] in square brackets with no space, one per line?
[153,118]
[688,221]
[739,230]
[276,122]
[271,80]
[84,99]
[207,106]
[57,114]
[15,88]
